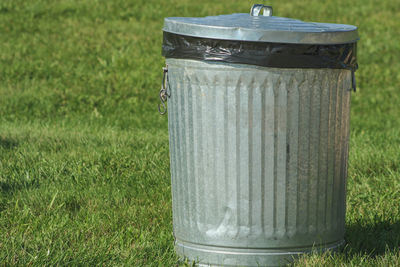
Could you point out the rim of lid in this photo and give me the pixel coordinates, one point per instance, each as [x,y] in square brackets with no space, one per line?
[261,28]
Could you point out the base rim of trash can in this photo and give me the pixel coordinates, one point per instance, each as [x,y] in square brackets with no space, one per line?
[204,255]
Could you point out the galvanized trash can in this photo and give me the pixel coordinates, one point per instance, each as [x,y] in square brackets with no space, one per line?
[258,117]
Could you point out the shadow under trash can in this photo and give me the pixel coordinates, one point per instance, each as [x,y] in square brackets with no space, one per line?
[258,118]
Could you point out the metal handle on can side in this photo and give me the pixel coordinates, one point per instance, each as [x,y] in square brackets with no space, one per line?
[164,94]
[256,9]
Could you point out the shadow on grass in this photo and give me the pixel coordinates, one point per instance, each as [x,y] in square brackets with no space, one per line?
[9,187]
[7,143]
[373,239]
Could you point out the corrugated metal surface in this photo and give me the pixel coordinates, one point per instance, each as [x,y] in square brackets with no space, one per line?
[258,159]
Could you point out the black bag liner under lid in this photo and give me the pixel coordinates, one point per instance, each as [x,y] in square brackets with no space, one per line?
[275,55]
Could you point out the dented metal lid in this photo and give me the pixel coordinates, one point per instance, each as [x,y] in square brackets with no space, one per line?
[262,28]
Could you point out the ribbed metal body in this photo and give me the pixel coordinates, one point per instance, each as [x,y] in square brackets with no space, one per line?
[258,160]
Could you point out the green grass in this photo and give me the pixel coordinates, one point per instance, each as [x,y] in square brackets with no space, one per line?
[84,166]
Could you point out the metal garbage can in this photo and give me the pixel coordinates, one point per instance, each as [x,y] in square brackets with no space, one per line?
[258,118]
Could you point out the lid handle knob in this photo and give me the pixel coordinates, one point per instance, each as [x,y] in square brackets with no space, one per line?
[256,9]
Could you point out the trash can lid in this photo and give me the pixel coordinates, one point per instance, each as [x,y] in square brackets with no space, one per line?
[262,28]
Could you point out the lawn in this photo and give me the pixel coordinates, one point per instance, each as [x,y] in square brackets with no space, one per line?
[84,162]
